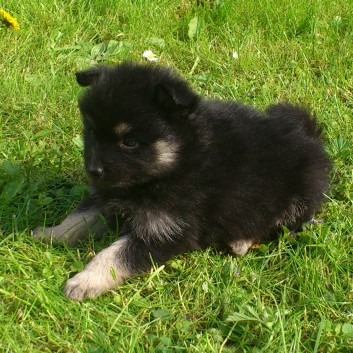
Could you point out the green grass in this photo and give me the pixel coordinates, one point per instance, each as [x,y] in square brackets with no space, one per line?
[294,297]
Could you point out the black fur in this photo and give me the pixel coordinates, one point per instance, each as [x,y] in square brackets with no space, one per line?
[182,173]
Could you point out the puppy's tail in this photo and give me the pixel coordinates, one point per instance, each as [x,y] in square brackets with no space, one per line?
[298,115]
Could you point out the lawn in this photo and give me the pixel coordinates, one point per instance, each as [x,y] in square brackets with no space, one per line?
[294,296]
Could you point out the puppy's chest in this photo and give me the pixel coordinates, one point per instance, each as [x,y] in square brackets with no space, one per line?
[149,224]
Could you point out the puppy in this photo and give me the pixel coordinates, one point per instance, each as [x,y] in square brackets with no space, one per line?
[178,173]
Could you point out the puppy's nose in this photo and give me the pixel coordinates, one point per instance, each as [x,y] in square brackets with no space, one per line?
[96,172]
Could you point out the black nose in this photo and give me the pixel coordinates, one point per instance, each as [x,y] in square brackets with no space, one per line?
[96,172]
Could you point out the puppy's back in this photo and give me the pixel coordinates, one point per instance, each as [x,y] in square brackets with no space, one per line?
[298,115]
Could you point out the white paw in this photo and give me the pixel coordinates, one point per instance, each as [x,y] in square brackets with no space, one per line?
[73,228]
[44,234]
[55,234]
[97,277]
[88,284]
[241,247]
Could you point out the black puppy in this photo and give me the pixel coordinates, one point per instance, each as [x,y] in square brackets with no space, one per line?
[179,173]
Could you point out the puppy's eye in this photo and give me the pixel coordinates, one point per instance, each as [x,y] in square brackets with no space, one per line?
[129,142]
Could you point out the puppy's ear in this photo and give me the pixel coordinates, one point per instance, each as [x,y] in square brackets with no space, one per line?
[164,98]
[88,77]
[175,97]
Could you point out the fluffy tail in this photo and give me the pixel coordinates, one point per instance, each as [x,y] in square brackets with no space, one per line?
[298,115]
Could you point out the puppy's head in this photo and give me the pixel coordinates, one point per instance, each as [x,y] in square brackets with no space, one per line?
[132,116]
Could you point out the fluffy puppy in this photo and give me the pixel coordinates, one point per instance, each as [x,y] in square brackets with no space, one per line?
[177,173]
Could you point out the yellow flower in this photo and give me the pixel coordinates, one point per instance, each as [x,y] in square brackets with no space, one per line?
[9,20]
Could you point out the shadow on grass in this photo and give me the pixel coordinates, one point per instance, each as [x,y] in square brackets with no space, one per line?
[30,197]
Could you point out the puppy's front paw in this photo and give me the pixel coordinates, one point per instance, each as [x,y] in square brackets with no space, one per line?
[44,234]
[88,284]
[97,277]
[52,234]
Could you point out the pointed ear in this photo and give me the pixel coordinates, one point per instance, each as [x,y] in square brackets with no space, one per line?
[88,77]
[177,96]
[164,98]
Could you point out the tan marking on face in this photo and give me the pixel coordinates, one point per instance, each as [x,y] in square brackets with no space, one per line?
[122,129]
[167,152]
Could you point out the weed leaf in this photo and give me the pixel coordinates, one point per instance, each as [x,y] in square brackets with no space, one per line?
[195,26]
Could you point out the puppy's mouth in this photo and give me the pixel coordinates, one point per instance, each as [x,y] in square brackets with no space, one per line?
[105,179]
[106,183]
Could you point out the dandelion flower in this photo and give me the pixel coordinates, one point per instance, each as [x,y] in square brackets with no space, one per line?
[8,20]
[149,55]
[235,55]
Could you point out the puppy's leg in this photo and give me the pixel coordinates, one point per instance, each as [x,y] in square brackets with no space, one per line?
[76,226]
[110,267]
[107,269]
[240,247]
